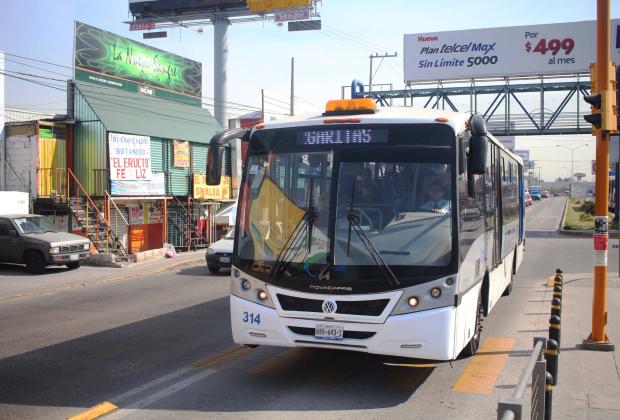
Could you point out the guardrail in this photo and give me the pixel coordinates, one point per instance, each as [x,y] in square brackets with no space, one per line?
[512,407]
[542,366]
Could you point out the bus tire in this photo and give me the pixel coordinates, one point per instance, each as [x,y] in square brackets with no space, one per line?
[474,344]
[508,289]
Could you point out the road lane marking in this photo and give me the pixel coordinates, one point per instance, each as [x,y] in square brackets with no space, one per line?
[480,375]
[97,282]
[160,395]
[220,359]
[156,382]
[95,412]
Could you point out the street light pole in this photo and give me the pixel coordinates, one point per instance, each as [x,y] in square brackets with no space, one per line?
[572,165]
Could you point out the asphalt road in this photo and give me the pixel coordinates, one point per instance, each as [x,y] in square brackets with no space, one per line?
[159,346]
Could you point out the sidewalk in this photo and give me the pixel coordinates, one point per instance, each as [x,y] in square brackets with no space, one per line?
[16,282]
[588,381]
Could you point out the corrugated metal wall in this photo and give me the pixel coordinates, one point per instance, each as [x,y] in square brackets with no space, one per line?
[157,154]
[199,158]
[52,160]
[90,148]
[177,178]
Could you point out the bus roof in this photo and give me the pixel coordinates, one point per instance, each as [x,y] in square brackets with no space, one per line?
[388,115]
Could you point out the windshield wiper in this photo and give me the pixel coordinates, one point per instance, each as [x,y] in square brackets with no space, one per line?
[306,223]
[389,275]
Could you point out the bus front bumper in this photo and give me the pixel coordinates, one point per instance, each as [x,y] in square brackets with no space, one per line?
[421,335]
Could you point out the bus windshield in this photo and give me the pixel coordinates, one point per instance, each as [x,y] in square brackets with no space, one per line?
[348,213]
[403,208]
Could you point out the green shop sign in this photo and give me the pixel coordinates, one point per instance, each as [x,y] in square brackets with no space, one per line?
[105,58]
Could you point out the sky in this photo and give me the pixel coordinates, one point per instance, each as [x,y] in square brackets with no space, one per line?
[260,52]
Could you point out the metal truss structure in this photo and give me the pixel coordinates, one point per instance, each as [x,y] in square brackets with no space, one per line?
[519,106]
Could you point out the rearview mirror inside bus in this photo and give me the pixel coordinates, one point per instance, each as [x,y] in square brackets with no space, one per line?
[477,155]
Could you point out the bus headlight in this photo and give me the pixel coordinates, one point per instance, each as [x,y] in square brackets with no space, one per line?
[249,288]
[413,301]
[436,292]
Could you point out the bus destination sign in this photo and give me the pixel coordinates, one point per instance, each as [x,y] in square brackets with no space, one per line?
[342,136]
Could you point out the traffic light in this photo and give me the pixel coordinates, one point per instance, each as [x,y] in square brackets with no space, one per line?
[595,100]
[604,115]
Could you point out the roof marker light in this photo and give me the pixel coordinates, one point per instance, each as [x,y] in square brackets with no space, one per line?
[350,106]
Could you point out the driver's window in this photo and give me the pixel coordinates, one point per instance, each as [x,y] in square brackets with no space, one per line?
[5,226]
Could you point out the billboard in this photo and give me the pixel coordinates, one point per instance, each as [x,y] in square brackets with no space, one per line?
[181,154]
[561,48]
[130,157]
[154,186]
[202,191]
[105,58]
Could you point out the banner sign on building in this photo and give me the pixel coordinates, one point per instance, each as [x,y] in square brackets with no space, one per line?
[560,48]
[108,59]
[130,157]
[181,154]
[202,191]
[154,186]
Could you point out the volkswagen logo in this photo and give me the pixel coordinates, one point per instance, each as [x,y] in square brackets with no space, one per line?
[329,306]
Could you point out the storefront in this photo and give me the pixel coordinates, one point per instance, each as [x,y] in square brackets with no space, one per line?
[140,138]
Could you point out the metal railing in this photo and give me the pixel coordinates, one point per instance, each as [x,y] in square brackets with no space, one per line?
[111,206]
[51,182]
[536,369]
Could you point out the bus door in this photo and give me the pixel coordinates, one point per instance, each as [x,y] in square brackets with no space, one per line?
[493,209]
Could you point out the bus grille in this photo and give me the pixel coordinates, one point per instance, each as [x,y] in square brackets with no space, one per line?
[360,335]
[345,307]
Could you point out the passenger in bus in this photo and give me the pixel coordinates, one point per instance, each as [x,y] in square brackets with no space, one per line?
[437,203]
[366,188]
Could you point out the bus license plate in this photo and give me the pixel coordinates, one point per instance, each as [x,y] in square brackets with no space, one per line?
[224,259]
[328,332]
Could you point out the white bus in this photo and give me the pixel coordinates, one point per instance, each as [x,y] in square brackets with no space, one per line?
[390,231]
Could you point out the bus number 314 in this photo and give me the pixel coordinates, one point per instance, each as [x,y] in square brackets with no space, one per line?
[251,318]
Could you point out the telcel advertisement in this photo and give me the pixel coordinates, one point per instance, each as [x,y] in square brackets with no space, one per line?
[562,48]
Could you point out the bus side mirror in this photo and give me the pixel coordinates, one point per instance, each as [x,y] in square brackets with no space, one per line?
[214,164]
[214,154]
[463,155]
[477,155]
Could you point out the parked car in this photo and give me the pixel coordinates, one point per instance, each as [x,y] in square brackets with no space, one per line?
[35,241]
[535,194]
[219,253]
[545,194]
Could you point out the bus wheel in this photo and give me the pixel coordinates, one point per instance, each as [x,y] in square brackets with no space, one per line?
[472,347]
[508,289]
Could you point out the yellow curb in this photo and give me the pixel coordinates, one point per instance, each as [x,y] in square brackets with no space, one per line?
[95,412]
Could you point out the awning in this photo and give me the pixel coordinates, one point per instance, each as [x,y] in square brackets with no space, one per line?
[134,113]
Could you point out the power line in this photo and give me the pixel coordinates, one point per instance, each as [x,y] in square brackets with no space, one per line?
[37,67]
[38,61]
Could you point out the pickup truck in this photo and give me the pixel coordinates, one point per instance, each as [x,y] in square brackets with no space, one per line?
[35,241]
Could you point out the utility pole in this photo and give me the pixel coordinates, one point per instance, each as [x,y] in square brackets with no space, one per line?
[371,75]
[604,123]
[262,105]
[292,86]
